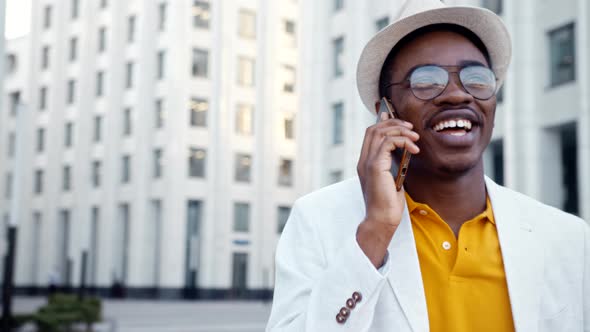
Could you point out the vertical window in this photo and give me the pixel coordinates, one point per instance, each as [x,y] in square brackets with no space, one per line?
[64,262]
[129,75]
[157,173]
[500,94]
[241,217]
[93,249]
[562,54]
[198,112]
[102,39]
[338,53]
[290,33]
[40,139]
[243,166]
[99,84]
[66,178]
[162,16]
[493,5]
[35,248]
[239,273]
[245,71]
[335,176]
[47,17]
[97,128]
[200,64]
[8,186]
[337,123]
[288,126]
[131,29]
[96,170]
[121,244]
[153,240]
[14,102]
[160,113]
[42,98]
[127,122]
[38,186]
[71,95]
[382,23]
[201,14]
[289,79]
[69,134]
[338,5]
[245,120]
[161,70]
[126,169]
[75,9]
[104,4]
[197,162]
[283,213]
[247,24]
[286,173]
[73,49]
[45,57]
[192,243]
[11,144]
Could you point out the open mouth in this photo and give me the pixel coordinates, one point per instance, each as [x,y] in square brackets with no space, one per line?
[455,127]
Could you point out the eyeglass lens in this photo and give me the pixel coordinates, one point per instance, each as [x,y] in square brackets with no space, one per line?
[428,82]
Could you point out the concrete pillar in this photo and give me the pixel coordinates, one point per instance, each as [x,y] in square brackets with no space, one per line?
[583,74]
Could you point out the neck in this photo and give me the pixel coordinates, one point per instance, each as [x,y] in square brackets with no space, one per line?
[456,198]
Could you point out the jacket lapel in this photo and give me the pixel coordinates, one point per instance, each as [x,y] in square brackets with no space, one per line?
[522,253]
[404,276]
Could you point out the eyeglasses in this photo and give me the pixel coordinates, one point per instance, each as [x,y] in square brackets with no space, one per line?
[429,81]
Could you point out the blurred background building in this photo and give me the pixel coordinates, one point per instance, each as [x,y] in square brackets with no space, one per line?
[168,139]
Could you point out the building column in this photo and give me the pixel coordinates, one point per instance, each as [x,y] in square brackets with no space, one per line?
[583,53]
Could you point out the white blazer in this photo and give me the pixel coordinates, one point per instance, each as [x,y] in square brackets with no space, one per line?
[319,265]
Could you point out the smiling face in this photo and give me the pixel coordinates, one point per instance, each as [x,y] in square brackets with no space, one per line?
[454,127]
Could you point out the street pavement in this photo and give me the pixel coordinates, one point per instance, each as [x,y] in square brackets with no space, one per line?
[173,316]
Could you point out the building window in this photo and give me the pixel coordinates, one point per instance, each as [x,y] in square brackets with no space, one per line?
[245,120]
[239,282]
[288,126]
[337,123]
[63,259]
[131,29]
[500,94]
[129,75]
[161,65]
[126,169]
[8,186]
[200,64]
[96,167]
[338,53]
[38,188]
[563,64]
[40,139]
[45,57]
[127,122]
[286,173]
[338,5]
[245,71]
[67,178]
[243,166]
[42,98]
[197,162]
[335,176]
[97,128]
[47,17]
[14,102]
[289,83]
[241,217]
[11,144]
[283,213]
[160,113]
[162,16]
[75,9]
[493,5]
[192,246]
[69,134]
[102,39]
[198,112]
[290,33]
[93,249]
[121,236]
[99,84]
[71,95]
[157,163]
[11,63]
[382,23]
[201,14]
[247,24]
[73,49]
[104,4]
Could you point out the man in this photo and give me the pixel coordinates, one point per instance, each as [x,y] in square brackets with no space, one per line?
[452,251]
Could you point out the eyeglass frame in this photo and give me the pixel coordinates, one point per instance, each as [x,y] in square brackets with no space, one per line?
[470,64]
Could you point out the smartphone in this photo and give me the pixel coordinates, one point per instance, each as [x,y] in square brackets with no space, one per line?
[400,170]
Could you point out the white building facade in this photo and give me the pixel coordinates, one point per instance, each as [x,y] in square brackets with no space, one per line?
[541,143]
[162,142]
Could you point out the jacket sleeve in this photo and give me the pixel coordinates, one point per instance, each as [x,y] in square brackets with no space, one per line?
[310,289]
[586,281]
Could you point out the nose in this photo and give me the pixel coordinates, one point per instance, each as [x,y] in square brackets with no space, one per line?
[454,93]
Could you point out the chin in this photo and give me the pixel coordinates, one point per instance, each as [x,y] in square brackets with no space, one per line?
[457,166]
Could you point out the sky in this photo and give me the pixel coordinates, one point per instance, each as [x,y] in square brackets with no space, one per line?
[18,18]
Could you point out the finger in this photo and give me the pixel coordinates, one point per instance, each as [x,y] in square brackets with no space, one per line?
[390,144]
[381,133]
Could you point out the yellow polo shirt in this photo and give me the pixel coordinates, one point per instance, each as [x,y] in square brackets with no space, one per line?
[464,279]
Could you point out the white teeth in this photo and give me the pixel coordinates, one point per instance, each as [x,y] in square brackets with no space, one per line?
[452,123]
[457,123]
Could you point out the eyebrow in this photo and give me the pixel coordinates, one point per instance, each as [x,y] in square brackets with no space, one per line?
[462,63]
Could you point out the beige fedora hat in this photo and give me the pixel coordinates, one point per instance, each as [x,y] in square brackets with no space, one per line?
[416,14]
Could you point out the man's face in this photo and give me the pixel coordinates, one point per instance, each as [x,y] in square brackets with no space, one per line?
[446,151]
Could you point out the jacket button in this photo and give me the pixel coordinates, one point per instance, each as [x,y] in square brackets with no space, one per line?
[350,303]
[357,297]
[345,312]
[340,319]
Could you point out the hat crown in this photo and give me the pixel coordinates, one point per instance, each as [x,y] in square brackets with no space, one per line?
[412,7]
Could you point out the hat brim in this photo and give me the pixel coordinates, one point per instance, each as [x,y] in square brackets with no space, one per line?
[484,23]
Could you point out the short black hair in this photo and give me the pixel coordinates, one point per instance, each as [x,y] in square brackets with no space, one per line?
[472,37]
